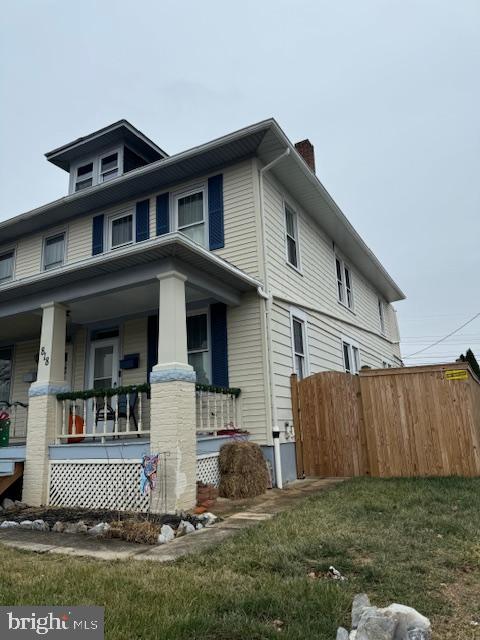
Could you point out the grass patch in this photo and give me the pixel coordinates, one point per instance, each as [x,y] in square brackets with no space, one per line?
[411,541]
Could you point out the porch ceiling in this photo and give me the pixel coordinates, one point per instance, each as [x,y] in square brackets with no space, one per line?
[138,264]
[23,327]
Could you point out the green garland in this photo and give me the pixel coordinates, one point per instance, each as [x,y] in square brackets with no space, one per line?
[137,388]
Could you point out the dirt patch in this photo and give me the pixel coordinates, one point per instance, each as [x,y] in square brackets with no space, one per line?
[463,621]
[90,517]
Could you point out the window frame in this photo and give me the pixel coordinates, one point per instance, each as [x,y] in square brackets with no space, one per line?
[345,294]
[300,316]
[204,311]
[100,172]
[296,239]
[381,313]
[12,370]
[184,193]
[5,251]
[76,179]
[116,216]
[96,161]
[354,355]
[50,236]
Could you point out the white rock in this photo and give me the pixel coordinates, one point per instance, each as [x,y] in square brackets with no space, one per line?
[377,625]
[342,634]
[167,532]
[360,603]
[8,504]
[20,505]
[40,525]
[26,524]
[184,527]
[353,635]
[199,526]
[408,618]
[8,524]
[419,634]
[76,527]
[58,527]
[99,529]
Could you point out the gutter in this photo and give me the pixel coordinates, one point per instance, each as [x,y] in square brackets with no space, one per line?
[266,295]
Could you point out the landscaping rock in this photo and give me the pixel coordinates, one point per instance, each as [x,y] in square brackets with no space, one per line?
[20,505]
[76,527]
[99,529]
[408,619]
[419,634]
[207,519]
[26,524]
[184,527]
[167,534]
[342,634]
[376,625]
[58,527]
[40,525]
[8,524]
[360,602]
[353,635]
[199,526]
[8,504]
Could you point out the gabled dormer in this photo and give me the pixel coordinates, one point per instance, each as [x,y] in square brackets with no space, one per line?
[104,155]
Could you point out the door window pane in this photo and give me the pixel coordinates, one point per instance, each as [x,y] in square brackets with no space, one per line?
[298,336]
[6,266]
[197,332]
[5,374]
[199,362]
[103,367]
[54,251]
[122,231]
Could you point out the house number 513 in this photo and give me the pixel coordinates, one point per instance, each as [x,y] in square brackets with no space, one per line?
[46,359]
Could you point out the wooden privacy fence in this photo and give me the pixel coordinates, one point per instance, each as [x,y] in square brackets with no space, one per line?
[412,421]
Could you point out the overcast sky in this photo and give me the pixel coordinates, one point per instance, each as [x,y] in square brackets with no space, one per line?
[388,91]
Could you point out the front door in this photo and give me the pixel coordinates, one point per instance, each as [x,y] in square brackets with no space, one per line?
[103,371]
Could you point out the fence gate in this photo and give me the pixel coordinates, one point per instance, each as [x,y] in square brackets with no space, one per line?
[411,421]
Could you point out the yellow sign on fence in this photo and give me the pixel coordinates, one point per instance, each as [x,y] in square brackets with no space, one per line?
[456,374]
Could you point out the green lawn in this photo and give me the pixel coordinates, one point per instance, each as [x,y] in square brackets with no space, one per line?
[412,541]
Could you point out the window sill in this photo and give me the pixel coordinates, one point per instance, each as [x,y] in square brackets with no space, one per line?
[292,266]
[342,304]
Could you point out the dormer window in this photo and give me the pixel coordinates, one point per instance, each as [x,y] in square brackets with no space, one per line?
[109,167]
[84,176]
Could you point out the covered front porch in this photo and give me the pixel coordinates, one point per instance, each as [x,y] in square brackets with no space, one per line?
[129,367]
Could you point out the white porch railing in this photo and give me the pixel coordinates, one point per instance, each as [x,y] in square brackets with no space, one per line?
[104,413]
[18,412]
[216,409]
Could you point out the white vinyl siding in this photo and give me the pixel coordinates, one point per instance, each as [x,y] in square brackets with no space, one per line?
[24,362]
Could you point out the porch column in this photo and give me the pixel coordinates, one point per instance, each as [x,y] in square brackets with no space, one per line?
[172,423]
[44,414]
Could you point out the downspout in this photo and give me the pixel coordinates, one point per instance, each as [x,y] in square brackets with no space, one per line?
[268,315]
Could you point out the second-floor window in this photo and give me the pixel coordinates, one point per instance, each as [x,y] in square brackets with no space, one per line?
[84,176]
[6,266]
[344,283]
[292,236]
[190,213]
[121,230]
[351,357]
[54,251]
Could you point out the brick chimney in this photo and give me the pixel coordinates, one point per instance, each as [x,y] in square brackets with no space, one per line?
[305,149]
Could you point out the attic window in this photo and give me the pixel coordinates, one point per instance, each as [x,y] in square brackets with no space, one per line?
[84,176]
[109,167]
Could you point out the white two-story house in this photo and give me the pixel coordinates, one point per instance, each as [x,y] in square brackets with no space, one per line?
[162,305]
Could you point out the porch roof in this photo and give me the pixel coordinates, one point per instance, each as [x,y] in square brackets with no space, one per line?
[136,264]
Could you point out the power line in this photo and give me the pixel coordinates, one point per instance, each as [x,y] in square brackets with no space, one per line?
[445,337]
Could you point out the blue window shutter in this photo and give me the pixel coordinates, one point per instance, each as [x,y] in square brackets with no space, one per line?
[97,234]
[142,220]
[215,212]
[218,331]
[163,214]
[152,343]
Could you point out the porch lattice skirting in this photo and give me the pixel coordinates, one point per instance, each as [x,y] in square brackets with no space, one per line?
[208,470]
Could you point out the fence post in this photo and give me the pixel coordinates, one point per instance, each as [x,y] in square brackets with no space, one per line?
[297,426]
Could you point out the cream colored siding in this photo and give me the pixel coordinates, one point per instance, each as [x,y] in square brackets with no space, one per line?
[240,218]
[24,362]
[28,256]
[79,239]
[79,359]
[246,364]
[135,341]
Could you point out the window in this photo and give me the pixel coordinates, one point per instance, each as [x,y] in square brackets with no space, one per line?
[109,167]
[344,283]
[197,346]
[121,230]
[351,357]
[386,365]
[300,365]
[6,266]
[381,314]
[191,216]
[53,251]
[291,229]
[84,177]
[5,373]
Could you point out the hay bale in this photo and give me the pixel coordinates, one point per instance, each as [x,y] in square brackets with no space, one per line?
[243,471]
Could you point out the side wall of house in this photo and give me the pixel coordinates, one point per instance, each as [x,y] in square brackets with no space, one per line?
[24,362]
[313,290]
